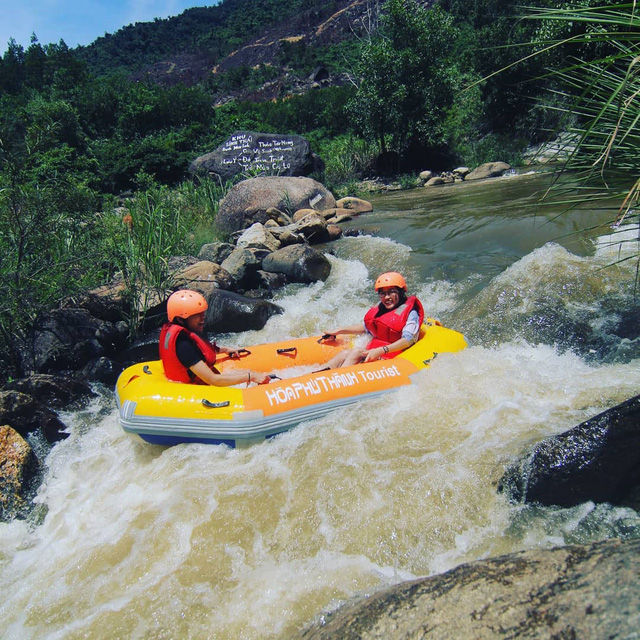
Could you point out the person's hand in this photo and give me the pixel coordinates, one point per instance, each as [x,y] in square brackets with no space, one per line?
[374,354]
[260,378]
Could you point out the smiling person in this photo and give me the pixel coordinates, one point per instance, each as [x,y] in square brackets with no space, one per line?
[394,324]
[187,356]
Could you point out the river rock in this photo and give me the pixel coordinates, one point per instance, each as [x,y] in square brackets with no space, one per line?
[18,466]
[205,277]
[249,200]
[246,152]
[488,170]
[581,591]
[57,392]
[599,460]
[258,237]
[242,264]
[66,339]
[26,414]
[299,263]
[215,252]
[355,205]
[231,312]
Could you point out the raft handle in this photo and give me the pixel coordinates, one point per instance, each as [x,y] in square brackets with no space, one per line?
[215,405]
[293,350]
[238,353]
[147,370]
[327,336]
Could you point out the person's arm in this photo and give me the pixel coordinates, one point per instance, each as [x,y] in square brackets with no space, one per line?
[228,379]
[354,329]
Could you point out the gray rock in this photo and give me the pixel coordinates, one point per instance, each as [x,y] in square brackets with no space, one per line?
[66,339]
[215,251]
[488,170]
[598,460]
[242,264]
[582,591]
[258,237]
[246,152]
[57,392]
[250,200]
[204,276]
[26,414]
[299,263]
[231,312]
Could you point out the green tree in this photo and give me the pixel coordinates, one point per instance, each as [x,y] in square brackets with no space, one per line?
[408,77]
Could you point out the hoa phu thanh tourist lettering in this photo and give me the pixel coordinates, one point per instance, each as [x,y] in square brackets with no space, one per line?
[326,383]
[258,154]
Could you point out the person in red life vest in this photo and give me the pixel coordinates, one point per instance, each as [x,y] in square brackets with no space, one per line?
[394,324]
[186,355]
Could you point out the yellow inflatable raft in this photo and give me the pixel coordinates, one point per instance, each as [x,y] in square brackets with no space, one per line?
[165,412]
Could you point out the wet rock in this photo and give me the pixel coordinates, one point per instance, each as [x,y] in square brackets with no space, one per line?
[55,391]
[299,263]
[18,468]
[599,460]
[66,339]
[26,414]
[103,370]
[248,201]
[231,312]
[581,591]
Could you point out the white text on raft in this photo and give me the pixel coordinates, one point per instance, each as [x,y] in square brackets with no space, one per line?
[326,383]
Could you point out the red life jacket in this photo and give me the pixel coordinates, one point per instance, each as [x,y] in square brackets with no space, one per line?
[173,368]
[387,327]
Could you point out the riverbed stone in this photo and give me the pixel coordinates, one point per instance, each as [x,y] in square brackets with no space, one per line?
[580,591]
[230,312]
[204,276]
[299,263]
[27,414]
[598,460]
[248,201]
[488,170]
[56,391]
[355,205]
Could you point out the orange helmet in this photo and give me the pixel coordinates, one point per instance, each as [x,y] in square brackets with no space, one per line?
[390,279]
[185,303]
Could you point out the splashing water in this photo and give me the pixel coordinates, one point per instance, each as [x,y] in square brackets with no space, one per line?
[199,541]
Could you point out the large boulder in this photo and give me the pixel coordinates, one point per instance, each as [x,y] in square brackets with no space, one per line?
[250,200]
[599,461]
[299,263]
[250,152]
[581,591]
[488,170]
[230,312]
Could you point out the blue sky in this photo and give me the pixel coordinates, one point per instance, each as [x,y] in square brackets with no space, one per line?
[80,21]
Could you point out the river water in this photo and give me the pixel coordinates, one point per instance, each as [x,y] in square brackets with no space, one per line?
[133,540]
